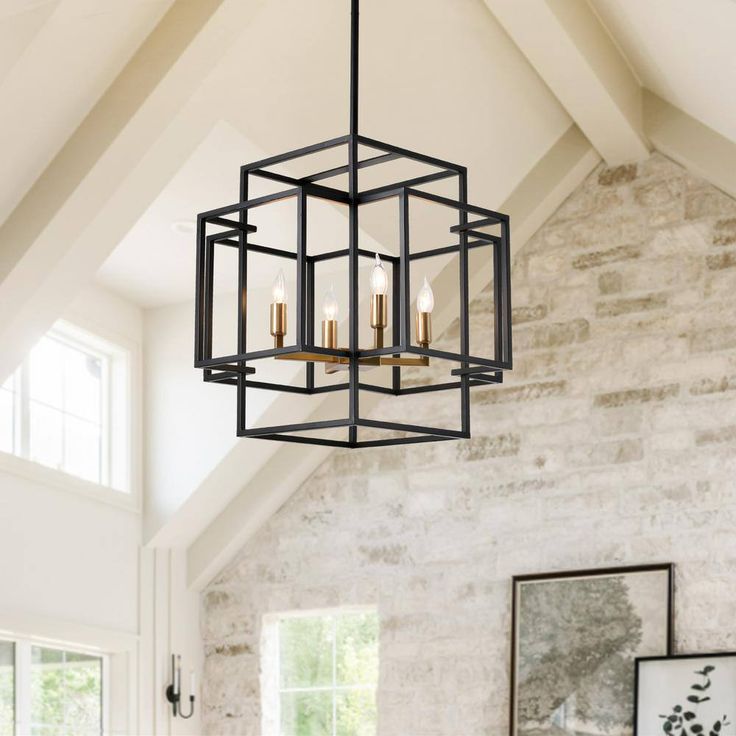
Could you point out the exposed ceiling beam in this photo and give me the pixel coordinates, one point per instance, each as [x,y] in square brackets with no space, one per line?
[538,195]
[57,237]
[572,51]
[695,146]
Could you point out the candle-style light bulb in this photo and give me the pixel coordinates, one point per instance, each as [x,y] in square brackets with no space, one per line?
[425,298]
[329,323]
[277,313]
[279,288]
[425,305]
[330,307]
[379,278]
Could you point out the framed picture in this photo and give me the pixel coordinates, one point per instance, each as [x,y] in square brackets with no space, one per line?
[686,695]
[575,638]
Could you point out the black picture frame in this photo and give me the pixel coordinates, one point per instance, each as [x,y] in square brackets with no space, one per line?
[693,657]
[519,580]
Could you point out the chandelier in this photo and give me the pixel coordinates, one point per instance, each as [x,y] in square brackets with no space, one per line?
[401,327]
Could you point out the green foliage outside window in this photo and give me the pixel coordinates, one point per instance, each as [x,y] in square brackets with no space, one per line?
[66,690]
[328,675]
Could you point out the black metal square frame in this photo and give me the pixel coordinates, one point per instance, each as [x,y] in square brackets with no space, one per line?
[238,369]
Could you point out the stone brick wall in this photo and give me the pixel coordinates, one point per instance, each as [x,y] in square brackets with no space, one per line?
[612,442]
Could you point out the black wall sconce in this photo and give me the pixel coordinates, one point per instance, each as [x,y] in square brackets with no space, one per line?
[173,691]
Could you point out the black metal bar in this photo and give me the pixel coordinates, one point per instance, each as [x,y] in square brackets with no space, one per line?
[483,237]
[304,440]
[241,381]
[338,170]
[270,251]
[345,252]
[497,365]
[310,319]
[251,203]
[354,390]
[405,298]
[434,252]
[402,441]
[209,287]
[395,322]
[301,268]
[416,181]
[232,224]
[447,202]
[397,427]
[406,153]
[305,427]
[464,302]
[199,291]
[475,224]
[469,370]
[505,248]
[280,387]
[297,153]
[315,190]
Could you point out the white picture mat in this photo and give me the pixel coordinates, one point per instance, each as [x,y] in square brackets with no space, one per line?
[666,683]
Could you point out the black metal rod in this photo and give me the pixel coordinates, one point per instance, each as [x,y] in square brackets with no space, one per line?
[405,298]
[224,222]
[354,70]
[406,153]
[416,181]
[251,203]
[464,302]
[297,153]
[486,222]
[339,170]
[434,252]
[315,190]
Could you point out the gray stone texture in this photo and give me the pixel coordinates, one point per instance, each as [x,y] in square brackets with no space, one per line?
[612,442]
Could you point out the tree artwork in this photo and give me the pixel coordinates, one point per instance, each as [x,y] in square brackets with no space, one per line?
[578,639]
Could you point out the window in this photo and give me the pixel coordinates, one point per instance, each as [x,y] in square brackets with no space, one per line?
[64,407]
[66,693]
[327,674]
[57,692]
[7,688]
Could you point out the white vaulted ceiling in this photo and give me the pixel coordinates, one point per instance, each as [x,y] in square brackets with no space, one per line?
[682,51]
[56,58]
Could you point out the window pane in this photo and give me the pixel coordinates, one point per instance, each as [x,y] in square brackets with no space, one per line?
[82,384]
[66,693]
[82,448]
[46,435]
[45,380]
[356,713]
[306,651]
[306,714]
[357,649]
[7,420]
[7,688]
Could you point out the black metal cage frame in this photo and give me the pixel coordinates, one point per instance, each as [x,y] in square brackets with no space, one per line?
[238,369]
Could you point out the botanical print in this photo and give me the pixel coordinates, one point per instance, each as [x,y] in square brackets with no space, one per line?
[577,639]
[700,693]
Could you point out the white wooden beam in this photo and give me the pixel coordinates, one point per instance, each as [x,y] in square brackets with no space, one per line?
[695,146]
[109,171]
[538,195]
[572,51]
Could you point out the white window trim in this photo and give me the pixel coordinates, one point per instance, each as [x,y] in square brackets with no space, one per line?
[129,498]
[271,664]
[23,669]
[120,650]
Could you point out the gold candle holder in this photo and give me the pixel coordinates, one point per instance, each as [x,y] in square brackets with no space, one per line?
[329,334]
[424,329]
[379,317]
[278,323]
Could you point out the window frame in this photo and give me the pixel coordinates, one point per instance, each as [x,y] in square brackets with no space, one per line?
[271,664]
[120,414]
[22,671]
